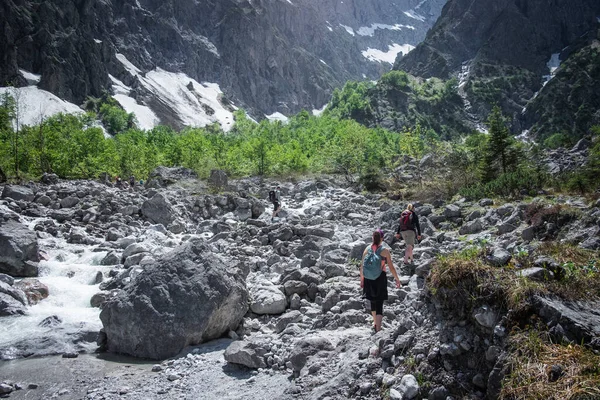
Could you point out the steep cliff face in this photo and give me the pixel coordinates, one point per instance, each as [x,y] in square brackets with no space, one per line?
[503,51]
[266,56]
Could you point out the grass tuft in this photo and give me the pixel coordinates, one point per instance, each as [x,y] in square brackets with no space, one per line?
[534,361]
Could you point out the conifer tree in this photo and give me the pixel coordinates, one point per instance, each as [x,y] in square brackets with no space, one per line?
[501,152]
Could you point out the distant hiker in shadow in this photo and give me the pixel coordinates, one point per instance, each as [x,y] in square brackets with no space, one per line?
[410,230]
[373,278]
[275,198]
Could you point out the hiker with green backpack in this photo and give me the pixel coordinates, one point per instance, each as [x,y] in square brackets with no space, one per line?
[410,230]
[373,277]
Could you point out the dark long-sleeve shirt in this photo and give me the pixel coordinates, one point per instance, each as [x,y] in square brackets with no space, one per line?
[415,221]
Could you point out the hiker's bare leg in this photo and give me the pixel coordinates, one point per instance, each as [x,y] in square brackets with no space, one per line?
[378,319]
[373,313]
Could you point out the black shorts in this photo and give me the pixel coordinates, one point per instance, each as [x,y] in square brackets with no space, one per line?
[275,205]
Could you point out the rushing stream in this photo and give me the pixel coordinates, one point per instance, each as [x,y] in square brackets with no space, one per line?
[65,321]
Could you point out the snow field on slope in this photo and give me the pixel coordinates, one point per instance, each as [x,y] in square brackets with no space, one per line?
[370,30]
[35,105]
[387,56]
[171,88]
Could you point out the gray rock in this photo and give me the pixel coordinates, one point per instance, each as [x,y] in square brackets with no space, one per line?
[479,381]
[134,248]
[580,320]
[408,387]
[18,193]
[248,353]
[5,389]
[331,299]
[267,300]
[295,287]
[284,234]
[452,211]
[295,302]
[592,243]
[403,342]
[43,200]
[395,395]
[19,253]
[165,176]
[136,259]
[486,202]
[286,319]
[307,347]
[112,258]
[438,393]
[470,228]
[99,299]
[499,257]
[536,274]
[218,178]
[528,234]
[159,210]
[12,300]
[188,296]
[7,279]
[485,316]
[49,179]
[69,202]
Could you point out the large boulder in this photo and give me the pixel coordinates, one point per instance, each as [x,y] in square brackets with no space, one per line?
[15,192]
[159,210]
[18,250]
[164,176]
[184,298]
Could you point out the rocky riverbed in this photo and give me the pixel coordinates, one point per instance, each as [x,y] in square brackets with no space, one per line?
[220,302]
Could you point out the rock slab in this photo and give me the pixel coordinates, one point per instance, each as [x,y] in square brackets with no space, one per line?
[186,297]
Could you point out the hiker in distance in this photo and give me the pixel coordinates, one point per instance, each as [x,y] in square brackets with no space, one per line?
[410,230]
[373,277]
[274,197]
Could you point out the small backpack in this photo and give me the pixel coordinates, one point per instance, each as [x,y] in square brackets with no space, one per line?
[372,263]
[272,197]
[406,221]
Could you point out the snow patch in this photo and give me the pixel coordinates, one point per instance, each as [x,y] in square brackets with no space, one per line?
[146,119]
[32,79]
[348,29]
[196,104]
[132,69]
[289,1]
[277,116]
[412,14]
[35,105]
[323,61]
[98,41]
[318,111]
[387,56]
[370,30]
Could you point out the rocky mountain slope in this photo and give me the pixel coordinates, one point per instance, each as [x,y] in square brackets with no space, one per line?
[266,56]
[506,51]
[289,289]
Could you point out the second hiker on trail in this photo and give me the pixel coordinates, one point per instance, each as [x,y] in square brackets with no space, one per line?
[410,230]
[275,198]
[373,278]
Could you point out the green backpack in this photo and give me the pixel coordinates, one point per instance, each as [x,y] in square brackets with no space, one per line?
[372,263]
